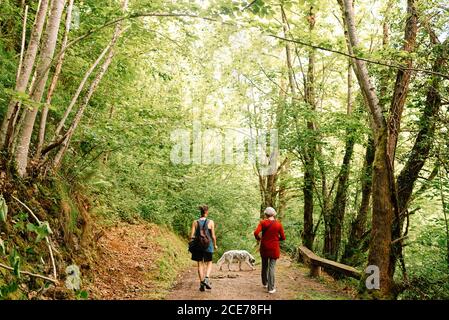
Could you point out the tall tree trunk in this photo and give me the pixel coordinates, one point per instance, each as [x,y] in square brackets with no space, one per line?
[46,56]
[24,72]
[402,80]
[420,151]
[336,217]
[8,141]
[384,74]
[93,87]
[79,90]
[272,194]
[386,134]
[382,189]
[54,81]
[309,156]
[22,45]
[309,178]
[310,148]
[396,108]
[358,226]
[325,194]
[282,199]
[382,215]
[268,189]
[357,239]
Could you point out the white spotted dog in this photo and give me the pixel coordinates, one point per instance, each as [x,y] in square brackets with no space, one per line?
[240,255]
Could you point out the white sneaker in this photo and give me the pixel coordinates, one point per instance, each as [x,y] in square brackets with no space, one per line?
[265,285]
[272,291]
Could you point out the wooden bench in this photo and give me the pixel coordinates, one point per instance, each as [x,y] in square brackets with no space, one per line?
[316,263]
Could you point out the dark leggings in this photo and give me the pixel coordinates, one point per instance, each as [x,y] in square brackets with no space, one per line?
[268,269]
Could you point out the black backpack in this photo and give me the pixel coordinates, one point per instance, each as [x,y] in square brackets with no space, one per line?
[203,239]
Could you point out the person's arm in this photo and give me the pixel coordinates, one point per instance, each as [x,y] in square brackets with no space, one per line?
[257,231]
[192,233]
[281,233]
[212,231]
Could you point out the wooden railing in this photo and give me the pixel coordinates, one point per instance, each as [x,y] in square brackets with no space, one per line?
[316,263]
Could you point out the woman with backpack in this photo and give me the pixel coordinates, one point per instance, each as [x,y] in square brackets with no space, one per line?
[203,243]
[272,234]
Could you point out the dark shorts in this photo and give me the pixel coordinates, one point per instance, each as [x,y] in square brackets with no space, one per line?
[202,256]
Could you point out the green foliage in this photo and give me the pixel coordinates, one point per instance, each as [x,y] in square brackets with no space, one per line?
[23,98]
[15,262]
[8,289]
[427,265]
[3,209]
[173,259]
[42,230]
[2,247]
[20,220]
[81,295]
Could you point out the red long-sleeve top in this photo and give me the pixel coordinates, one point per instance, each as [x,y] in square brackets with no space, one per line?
[272,233]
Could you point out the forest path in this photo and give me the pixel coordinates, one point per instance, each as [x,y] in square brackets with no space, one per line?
[292,282]
[127,266]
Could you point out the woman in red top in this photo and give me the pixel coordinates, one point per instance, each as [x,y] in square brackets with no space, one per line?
[272,233]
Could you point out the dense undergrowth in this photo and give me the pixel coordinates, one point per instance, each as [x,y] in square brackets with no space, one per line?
[52,209]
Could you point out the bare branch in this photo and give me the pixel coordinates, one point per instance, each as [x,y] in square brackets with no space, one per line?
[30,274]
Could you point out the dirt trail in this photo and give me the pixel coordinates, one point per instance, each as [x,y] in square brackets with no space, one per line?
[122,263]
[292,282]
[126,267]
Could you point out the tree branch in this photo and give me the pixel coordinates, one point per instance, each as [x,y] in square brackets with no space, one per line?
[53,145]
[395,66]
[249,5]
[29,274]
[46,239]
